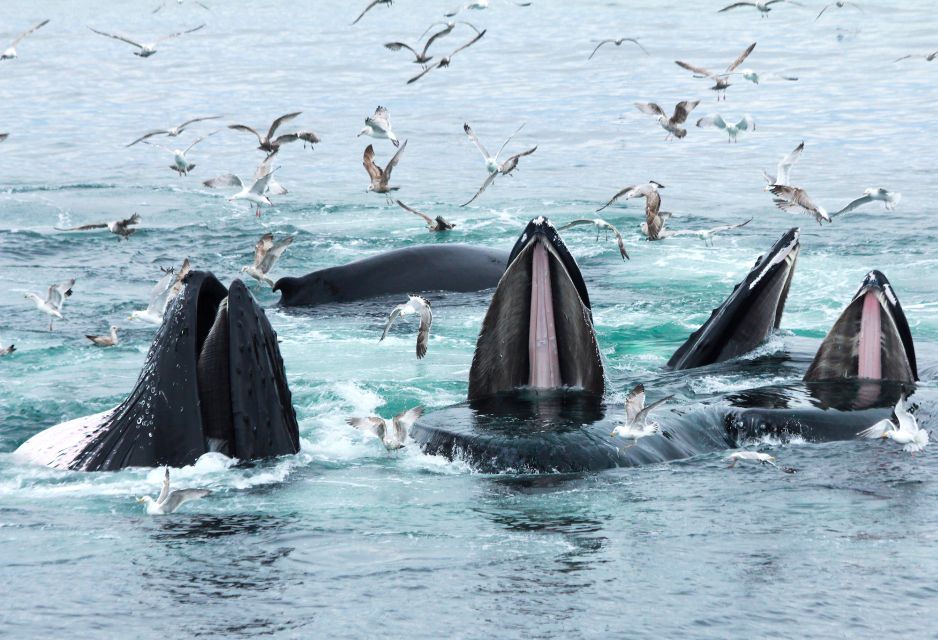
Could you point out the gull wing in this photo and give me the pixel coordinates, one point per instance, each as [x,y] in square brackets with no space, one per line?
[391,318]
[126,222]
[180,33]
[484,186]
[262,247]
[185,124]
[853,205]
[279,121]
[381,120]
[619,241]
[164,491]
[423,332]
[651,109]
[508,139]
[179,497]
[404,421]
[475,141]
[878,430]
[244,127]
[428,219]
[682,109]
[260,185]
[745,54]
[621,193]
[368,160]
[746,123]
[197,141]
[643,414]
[273,254]
[226,180]
[117,37]
[394,160]
[783,172]
[634,403]
[58,293]
[439,34]
[149,134]
[159,295]
[84,227]
[736,5]
[372,424]
[468,44]
[518,155]
[694,69]
[598,46]
[712,121]
[576,223]
[367,9]
[423,73]
[397,46]
[728,227]
[20,37]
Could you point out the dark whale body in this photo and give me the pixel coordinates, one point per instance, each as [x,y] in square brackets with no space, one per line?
[418,269]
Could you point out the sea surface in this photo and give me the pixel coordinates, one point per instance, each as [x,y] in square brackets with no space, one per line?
[344,540]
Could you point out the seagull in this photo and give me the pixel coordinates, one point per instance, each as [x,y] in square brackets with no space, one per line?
[392,438]
[256,192]
[449,24]
[721,79]
[414,305]
[751,456]
[121,228]
[379,126]
[422,57]
[504,169]
[755,77]
[764,6]
[840,4]
[10,52]
[913,438]
[783,172]
[270,144]
[927,56]
[54,301]
[732,130]
[491,162]
[636,425]
[380,177]
[162,294]
[599,223]
[146,49]
[181,164]
[673,124]
[373,3]
[617,42]
[445,60]
[889,198]
[179,3]
[648,191]
[653,226]
[105,341]
[437,224]
[704,234]
[478,5]
[5,351]
[169,501]
[797,199]
[173,131]
[266,254]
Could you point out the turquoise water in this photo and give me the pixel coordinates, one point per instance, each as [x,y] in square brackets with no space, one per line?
[344,540]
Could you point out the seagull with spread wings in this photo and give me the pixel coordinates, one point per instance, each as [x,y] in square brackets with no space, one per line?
[600,224]
[255,192]
[269,143]
[181,164]
[167,288]
[393,438]
[172,132]
[840,4]
[491,162]
[504,169]
[874,194]
[928,57]
[437,224]
[371,5]
[670,124]
[10,52]
[789,198]
[617,42]
[445,60]
[415,305]
[764,6]
[649,191]
[146,49]
[636,425]
[704,234]
[721,80]
[421,57]
[380,177]
[379,126]
[907,432]
[732,130]
[121,228]
[266,254]
[54,301]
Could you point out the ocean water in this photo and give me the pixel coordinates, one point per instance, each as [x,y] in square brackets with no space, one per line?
[344,540]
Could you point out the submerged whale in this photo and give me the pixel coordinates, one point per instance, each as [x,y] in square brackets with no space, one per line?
[418,269]
[213,380]
[535,404]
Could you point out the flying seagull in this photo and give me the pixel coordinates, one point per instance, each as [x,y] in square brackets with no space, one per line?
[169,501]
[146,49]
[121,228]
[374,3]
[266,254]
[491,162]
[270,144]
[105,341]
[840,4]
[751,456]
[755,77]
[788,198]
[379,126]
[504,169]
[179,3]
[421,57]
[445,60]
[704,234]
[722,80]
[889,198]
[732,130]
[255,192]
[162,294]
[478,5]
[907,432]
[380,177]
[927,56]
[636,425]
[393,438]
[600,224]
[10,52]
[673,124]
[181,164]
[54,301]
[414,305]
[617,42]
[433,224]
[764,6]
[783,172]
[171,132]
[649,191]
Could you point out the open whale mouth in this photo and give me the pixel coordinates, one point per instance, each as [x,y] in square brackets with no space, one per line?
[538,331]
[871,338]
[749,313]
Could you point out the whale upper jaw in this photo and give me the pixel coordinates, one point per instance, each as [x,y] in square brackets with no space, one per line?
[871,339]
[538,330]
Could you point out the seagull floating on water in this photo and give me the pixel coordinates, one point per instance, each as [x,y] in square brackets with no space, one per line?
[732,130]
[414,305]
[722,80]
[146,49]
[167,288]
[840,4]
[433,224]
[393,438]
[379,126]
[445,60]
[912,438]
[270,144]
[181,164]
[380,177]
[173,131]
[105,341]
[54,301]
[266,254]
[10,52]
[600,224]
[764,6]
[874,194]
[373,4]
[169,501]
[636,425]
[751,456]
[121,228]
[673,124]
[255,192]
[617,42]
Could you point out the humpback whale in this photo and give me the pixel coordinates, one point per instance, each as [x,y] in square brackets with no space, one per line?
[418,269]
[213,380]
